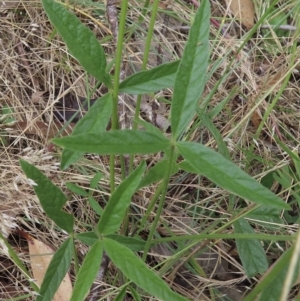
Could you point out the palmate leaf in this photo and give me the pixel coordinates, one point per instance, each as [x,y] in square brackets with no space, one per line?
[192,72]
[115,142]
[227,175]
[80,40]
[51,197]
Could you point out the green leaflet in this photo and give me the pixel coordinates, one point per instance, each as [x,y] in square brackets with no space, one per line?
[80,40]
[95,120]
[278,271]
[138,272]
[152,80]
[217,135]
[192,72]
[227,175]
[115,142]
[151,128]
[56,271]
[251,252]
[268,215]
[76,189]
[121,294]
[119,201]
[157,173]
[273,290]
[51,197]
[88,272]
[135,244]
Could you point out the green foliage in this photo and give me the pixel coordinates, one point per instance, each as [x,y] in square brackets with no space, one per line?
[152,80]
[56,271]
[51,197]
[95,120]
[80,40]
[88,272]
[252,253]
[191,75]
[6,116]
[115,142]
[136,270]
[116,207]
[188,77]
[227,175]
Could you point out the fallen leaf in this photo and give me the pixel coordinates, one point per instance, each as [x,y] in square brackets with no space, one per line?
[243,10]
[40,257]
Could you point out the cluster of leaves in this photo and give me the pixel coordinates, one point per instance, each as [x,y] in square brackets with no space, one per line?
[188,78]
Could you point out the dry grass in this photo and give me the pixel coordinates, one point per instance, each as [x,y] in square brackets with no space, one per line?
[33,58]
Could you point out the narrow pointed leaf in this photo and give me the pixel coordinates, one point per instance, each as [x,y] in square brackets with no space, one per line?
[157,173]
[40,258]
[88,272]
[135,244]
[76,189]
[138,272]
[151,128]
[227,175]
[121,295]
[80,40]
[56,271]
[152,80]
[192,72]
[95,120]
[277,271]
[273,289]
[115,142]
[251,252]
[51,197]
[271,216]
[119,201]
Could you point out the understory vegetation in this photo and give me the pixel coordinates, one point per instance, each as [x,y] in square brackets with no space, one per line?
[149,150]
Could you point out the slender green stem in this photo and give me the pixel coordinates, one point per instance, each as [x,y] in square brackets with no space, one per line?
[114,119]
[161,203]
[210,236]
[150,207]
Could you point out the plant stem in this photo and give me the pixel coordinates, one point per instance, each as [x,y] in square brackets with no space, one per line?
[161,202]
[115,93]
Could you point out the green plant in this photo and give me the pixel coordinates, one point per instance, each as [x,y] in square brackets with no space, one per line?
[188,77]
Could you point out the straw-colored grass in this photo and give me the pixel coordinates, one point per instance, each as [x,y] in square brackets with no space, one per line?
[33,58]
